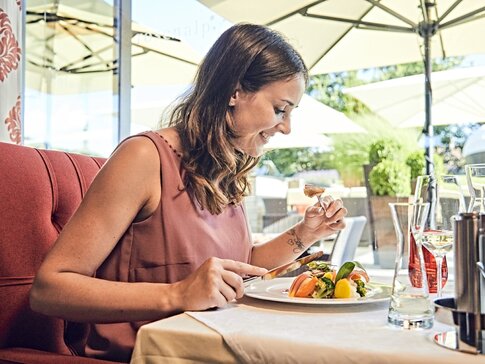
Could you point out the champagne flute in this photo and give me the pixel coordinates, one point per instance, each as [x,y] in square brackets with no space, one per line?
[446,198]
[446,201]
[438,242]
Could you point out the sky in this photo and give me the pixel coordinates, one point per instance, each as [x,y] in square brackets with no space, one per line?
[188,20]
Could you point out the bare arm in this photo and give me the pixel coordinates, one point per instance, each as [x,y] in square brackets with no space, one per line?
[292,243]
[126,189]
[122,192]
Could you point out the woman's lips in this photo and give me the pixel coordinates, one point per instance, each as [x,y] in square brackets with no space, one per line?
[265,137]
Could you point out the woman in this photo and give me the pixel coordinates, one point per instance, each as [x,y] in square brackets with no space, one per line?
[162,228]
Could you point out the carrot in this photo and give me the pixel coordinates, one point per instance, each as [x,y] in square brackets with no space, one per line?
[356,275]
[306,287]
[295,285]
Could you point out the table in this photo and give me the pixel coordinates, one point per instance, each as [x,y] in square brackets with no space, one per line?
[257,331]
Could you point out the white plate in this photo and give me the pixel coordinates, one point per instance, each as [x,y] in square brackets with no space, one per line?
[277,290]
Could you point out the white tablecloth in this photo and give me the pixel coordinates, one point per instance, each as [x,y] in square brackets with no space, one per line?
[265,332]
[257,331]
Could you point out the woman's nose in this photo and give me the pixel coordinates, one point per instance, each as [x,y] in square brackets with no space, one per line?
[285,126]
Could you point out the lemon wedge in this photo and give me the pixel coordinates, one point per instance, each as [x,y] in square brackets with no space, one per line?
[344,289]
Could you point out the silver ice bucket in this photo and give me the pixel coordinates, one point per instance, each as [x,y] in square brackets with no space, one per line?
[466,311]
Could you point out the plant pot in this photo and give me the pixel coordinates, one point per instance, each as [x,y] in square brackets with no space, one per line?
[385,239]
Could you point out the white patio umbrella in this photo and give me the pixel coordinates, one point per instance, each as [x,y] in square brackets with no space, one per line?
[458,96]
[336,35]
[313,117]
[299,140]
[72,51]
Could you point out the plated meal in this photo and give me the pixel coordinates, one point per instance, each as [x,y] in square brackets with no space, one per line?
[322,281]
[322,284]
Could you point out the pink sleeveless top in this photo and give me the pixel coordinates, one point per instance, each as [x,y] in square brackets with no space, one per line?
[166,247]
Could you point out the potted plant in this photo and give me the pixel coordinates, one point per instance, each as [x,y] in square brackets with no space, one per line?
[417,164]
[390,178]
[387,180]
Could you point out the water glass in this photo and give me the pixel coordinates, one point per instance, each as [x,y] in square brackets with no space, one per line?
[475,177]
[410,306]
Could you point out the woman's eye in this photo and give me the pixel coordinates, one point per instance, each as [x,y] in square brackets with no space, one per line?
[279,111]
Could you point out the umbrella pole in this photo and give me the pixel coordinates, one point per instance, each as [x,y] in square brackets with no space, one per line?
[427,29]
[428,126]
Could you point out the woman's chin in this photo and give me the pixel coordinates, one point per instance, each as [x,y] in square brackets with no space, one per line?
[255,152]
[252,151]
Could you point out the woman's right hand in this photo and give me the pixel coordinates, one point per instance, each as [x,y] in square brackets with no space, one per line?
[215,283]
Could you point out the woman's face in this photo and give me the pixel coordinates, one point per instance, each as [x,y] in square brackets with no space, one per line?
[260,115]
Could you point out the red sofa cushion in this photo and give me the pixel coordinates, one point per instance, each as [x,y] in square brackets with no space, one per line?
[32,356]
[39,191]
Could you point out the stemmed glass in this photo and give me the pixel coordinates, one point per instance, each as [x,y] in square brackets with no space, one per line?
[475,177]
[446,200]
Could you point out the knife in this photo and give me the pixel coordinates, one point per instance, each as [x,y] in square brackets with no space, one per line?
[283,269]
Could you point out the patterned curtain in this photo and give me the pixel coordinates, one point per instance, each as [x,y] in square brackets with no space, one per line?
[10,70]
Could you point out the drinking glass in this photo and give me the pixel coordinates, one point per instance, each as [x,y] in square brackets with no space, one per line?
[446,199]
[446,194]
[410,307]
[475,177]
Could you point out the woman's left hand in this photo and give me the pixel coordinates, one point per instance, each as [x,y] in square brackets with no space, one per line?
[318,223]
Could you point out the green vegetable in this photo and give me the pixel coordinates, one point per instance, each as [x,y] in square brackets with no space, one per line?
[359,265]
[324,288]
[320,265]
[345,270]
[361,288]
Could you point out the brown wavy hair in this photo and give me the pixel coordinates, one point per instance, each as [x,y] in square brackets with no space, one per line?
[248,56]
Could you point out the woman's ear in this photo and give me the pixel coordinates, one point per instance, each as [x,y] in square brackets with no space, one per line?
[232,100]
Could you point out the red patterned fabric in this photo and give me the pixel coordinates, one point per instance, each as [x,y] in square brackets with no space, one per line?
[13,123]
[9,47]
[39,192]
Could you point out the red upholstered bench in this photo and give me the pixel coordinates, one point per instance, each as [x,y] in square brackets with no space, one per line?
[39,191]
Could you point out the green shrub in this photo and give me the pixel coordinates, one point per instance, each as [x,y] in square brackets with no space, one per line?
[390,178]
[383,149]
[416,161]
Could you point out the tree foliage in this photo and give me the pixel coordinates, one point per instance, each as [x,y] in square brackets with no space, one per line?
[294,160]
[409,69]
[453,138]
[328,89]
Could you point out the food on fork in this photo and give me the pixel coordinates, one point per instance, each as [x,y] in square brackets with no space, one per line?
[312,190]
[324,281]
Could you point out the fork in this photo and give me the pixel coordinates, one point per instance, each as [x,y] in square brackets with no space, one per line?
[320,200]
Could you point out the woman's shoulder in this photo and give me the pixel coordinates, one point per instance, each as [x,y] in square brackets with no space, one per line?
[135,156]
[171,137]
[136,147]
[135,166]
